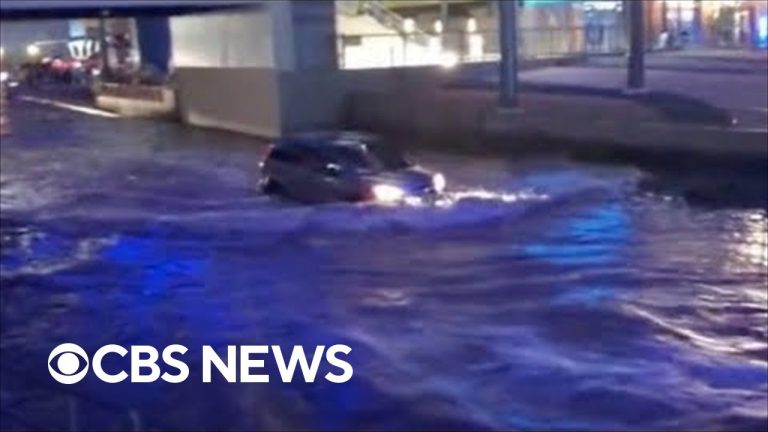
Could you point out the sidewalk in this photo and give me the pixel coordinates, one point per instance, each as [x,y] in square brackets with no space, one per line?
[698,86]
[583,110]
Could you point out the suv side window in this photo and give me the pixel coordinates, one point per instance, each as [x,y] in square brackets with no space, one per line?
[349,157]
[315,159]
[286,155]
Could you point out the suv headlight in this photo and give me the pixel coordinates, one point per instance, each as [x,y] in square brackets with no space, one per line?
[438,182]
[388,193]
[4,76]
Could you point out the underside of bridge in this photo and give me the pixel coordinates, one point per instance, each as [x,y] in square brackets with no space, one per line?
[49,9]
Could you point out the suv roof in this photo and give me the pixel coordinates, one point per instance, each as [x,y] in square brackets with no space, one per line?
[324,139]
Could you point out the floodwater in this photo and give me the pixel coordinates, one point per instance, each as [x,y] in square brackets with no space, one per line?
[550,295]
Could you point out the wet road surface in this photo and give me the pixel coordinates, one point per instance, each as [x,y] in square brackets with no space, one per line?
[550,295]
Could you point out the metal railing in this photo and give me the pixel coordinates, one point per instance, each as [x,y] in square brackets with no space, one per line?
[388,18]
[451,48]
[392,20]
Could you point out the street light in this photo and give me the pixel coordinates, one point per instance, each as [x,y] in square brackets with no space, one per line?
[409,25]
[33,50]
[439,27]
[471,25]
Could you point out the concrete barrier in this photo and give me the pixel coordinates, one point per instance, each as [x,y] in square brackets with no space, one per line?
[136,100]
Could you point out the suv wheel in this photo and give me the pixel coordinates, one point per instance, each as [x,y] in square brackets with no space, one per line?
[270,187]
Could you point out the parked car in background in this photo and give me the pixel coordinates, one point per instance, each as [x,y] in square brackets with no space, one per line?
[9,83]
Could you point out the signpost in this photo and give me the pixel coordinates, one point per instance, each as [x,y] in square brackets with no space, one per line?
[636,67]
[508,66]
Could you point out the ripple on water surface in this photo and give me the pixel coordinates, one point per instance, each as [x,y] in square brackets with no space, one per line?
[549,296]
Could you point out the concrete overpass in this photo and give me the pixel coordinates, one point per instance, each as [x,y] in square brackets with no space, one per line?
[31,9]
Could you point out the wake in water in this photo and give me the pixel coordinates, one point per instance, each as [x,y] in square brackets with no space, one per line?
[541,296]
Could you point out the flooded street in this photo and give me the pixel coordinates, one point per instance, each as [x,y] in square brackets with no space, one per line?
[548,295]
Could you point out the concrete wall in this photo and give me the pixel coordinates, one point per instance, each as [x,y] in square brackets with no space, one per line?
[223,40]
[268,102]
[245,100]
[226,69]
[322,99]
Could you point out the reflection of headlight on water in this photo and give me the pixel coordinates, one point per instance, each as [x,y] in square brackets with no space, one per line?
[388,193]
[750,246]
[486,195]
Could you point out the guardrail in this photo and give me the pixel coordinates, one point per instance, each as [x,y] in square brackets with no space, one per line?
[132,91]
[133,100]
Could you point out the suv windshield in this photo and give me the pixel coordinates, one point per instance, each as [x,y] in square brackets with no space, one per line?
[386,158]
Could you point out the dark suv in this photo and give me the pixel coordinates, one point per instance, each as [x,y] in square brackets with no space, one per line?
[345,166]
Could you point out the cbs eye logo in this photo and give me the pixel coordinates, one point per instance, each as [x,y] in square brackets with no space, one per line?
[68,363]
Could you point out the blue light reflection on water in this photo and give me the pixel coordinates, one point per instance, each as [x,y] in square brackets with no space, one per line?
[595,237]
[171,291]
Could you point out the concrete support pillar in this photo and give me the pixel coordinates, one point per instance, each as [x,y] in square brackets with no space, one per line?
[104,46]
[271,71]
[307,56]
[154,41]
[444,13]
[313,39]
[698,23]
[636,66]
[508,66]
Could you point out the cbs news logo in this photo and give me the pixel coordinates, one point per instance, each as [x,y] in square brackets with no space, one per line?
[69,363]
